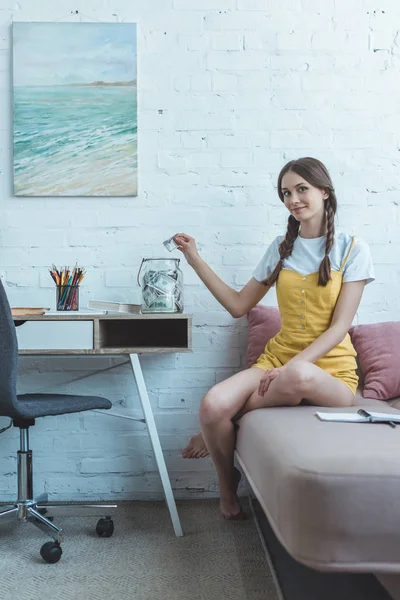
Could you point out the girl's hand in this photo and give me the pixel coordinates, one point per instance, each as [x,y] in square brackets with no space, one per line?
[266,379]
[187,246]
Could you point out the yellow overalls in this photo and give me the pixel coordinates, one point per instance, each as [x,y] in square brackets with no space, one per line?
[306,310]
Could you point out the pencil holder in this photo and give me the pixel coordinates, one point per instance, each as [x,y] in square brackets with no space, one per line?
[67,297]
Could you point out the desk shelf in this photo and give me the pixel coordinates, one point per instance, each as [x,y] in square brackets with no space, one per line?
[111,334]
[141,335]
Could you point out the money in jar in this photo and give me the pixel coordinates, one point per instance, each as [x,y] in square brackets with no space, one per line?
[161,281]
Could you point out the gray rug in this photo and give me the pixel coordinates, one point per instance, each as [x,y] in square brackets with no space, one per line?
[143,560]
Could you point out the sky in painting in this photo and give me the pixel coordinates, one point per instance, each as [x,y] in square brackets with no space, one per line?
[46,54]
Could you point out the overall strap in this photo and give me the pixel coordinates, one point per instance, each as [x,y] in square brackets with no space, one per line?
[353,239]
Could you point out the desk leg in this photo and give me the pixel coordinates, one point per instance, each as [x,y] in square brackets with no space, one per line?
[155,441]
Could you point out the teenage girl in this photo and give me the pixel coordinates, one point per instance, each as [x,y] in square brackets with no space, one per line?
[320,277]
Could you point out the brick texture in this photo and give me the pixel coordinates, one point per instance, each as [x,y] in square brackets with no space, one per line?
[229,91]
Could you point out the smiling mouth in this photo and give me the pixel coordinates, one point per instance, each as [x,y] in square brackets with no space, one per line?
[298,209]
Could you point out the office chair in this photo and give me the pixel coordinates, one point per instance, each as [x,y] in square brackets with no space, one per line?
[23,410]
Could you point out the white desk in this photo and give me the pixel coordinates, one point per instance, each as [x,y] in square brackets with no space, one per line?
[113,334]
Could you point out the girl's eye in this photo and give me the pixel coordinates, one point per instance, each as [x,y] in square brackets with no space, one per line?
[286,194]
[302,189]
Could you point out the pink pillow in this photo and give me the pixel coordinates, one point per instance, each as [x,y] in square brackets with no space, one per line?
[264,323]
[378,349]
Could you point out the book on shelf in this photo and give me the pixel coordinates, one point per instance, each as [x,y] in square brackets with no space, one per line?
[109,306]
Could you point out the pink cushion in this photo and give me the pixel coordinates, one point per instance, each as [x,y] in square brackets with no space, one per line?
[378,349]
[264,323]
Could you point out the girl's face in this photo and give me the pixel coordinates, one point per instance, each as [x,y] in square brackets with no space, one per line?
[303,200]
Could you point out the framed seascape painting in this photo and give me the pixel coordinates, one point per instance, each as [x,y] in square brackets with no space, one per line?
[75,109]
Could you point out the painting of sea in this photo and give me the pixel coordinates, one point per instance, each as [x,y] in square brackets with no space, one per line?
[75,109]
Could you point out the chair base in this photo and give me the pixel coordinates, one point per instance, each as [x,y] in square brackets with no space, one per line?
[39,512]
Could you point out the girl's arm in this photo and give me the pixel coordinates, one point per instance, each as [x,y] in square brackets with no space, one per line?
[343,315]
[236,303]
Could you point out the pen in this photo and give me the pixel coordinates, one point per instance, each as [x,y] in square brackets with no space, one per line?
[364,413]
[372,419]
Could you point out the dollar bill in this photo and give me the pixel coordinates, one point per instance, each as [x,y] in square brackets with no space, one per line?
[170,244]
[149,296]
[163,283]
[164,303]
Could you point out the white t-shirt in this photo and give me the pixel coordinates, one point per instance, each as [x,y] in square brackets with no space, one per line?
[308,253]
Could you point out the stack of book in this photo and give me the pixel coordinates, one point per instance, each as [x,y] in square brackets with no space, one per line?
[109,307]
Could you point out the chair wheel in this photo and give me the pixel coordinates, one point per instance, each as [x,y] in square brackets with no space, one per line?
[51,552]
[105,527]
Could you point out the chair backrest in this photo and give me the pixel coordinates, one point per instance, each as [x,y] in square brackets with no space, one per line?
[8,359]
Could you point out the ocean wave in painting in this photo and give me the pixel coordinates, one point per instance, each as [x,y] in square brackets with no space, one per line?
[75,141]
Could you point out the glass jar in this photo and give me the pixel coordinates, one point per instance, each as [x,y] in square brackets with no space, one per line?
[67,297]
[161,281]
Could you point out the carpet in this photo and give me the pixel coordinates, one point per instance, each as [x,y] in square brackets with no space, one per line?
[143,560]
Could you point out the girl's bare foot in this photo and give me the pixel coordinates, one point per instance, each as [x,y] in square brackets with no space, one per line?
[196,448]
[229,504]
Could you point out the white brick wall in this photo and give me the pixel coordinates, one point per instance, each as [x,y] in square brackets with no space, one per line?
[229,90]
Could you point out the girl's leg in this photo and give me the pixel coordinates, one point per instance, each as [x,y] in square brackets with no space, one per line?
[217,409]
[220,406]
[315,386]
[230,396]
